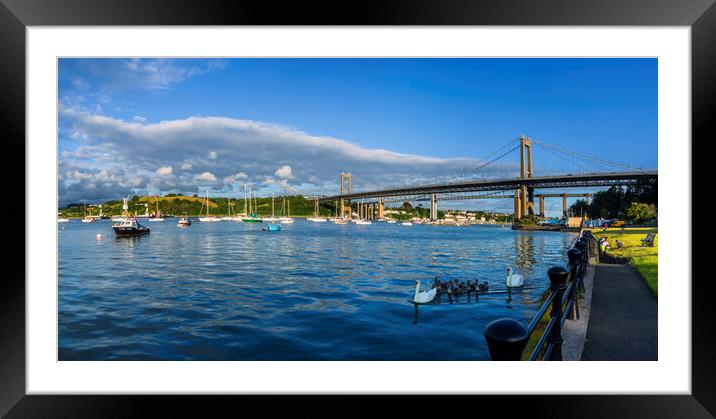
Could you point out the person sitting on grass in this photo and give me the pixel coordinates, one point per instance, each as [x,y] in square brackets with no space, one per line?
[619,244]
[604,244]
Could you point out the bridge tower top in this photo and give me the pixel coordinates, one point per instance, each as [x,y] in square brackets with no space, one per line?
[345,178]
[526,168]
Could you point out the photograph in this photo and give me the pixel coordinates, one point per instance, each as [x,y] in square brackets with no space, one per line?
[357,208]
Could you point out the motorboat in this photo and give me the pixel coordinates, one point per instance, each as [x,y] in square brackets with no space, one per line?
[184,222]
[407,223]
[63,220]
[129,227]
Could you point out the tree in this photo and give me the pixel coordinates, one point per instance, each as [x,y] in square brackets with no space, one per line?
[407,207]
[579,208]
[640,212]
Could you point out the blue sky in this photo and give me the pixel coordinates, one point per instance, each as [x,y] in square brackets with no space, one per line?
[291,125]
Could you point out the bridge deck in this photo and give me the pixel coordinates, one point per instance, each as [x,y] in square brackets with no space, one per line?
[561,181]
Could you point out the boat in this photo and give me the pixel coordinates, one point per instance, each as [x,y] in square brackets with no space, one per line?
[272,227]
[129,227]
[184,222]
[208,218]
[391,221]
[272,218]
[251,217]
[158,214]
[231,216]
[363,222]
[63,220]
[316,216]
[88,218]
[407,223]
[287,219]
[339,221]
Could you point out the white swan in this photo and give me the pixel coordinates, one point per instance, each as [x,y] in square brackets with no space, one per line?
[424,296]
[513,280]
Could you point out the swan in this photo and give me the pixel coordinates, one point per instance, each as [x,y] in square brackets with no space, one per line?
[424,296]
[513,280]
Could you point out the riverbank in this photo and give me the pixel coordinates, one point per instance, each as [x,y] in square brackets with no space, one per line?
[644,259]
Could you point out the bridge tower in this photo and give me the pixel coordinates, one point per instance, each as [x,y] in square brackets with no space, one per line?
[345,178]
[433,207]
[526,171]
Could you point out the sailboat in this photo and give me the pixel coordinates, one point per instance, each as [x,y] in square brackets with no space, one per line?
[286,219]
[316,215]
[208,217]
[251,217]
[272,218]
[88,218]
[157,214]
[231,216]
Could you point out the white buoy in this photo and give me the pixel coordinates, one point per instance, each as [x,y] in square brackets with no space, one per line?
[99,236]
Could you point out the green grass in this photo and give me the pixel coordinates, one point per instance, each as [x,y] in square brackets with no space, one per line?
[644,259]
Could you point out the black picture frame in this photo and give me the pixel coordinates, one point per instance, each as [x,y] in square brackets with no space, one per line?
[16,15]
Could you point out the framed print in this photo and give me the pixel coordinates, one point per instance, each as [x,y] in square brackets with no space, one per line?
[216,205]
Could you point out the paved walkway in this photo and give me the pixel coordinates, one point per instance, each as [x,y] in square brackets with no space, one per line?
[623,319]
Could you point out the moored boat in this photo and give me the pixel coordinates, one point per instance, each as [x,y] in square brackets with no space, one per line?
[184,222]
[130,227]
[272,227]
[209,217]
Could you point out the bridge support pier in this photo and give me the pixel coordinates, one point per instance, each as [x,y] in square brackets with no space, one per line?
[541,206]
[381,209]
[564,204]
[433,207]
[518,206]
[530,201]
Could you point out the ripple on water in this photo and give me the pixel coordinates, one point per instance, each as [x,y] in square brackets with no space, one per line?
[228,291]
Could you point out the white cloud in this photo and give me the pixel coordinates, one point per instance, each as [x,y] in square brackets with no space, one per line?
[164,171]
[284,172]
[138,118]
[205,177]
[213,155]
[250,151]
[233,178]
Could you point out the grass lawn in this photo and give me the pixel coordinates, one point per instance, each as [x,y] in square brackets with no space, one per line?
[644,259]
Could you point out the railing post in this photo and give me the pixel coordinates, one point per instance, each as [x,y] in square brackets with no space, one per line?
[506,339]
[575,259]
[557,279]
[582,247]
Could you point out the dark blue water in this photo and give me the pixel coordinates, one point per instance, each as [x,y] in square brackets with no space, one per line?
[230,291]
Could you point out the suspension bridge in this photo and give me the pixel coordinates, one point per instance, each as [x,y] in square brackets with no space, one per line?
[587,171]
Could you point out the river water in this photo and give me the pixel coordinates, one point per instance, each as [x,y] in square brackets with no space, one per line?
[230,291]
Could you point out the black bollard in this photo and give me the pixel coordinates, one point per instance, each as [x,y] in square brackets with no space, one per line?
[506,339]
[575,258]
[557,280]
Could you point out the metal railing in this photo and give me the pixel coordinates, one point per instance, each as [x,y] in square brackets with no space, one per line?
[507,338]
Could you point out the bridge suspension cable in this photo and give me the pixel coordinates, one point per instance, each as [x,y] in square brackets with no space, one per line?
[583,157]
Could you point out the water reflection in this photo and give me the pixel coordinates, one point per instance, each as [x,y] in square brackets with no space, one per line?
[312,291]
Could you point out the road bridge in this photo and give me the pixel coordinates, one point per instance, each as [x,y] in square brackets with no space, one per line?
[523,186]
